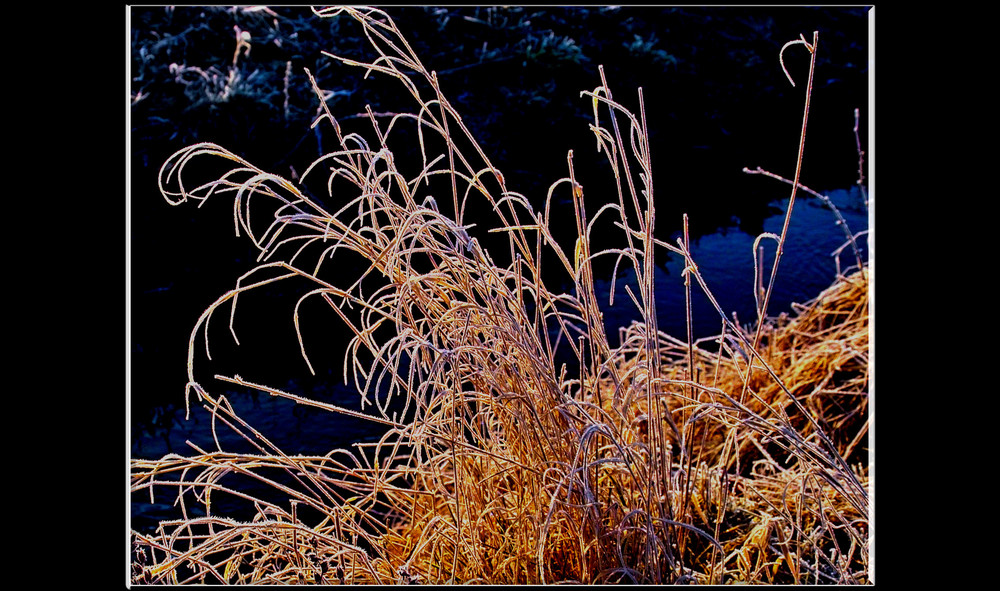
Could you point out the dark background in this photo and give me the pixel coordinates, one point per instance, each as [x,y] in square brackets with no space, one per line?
[716,101]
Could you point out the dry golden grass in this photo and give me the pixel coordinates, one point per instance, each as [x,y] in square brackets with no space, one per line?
[658,461]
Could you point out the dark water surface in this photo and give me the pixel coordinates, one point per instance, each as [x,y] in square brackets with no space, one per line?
[716,102]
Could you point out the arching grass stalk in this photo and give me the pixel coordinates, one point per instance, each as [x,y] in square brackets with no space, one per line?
[812,48]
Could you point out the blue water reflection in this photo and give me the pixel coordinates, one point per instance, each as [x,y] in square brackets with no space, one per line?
[726,262]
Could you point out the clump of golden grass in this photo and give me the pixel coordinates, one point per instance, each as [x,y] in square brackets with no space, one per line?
[658,460]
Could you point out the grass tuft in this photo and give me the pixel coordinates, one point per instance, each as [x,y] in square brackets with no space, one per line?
[519,446]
